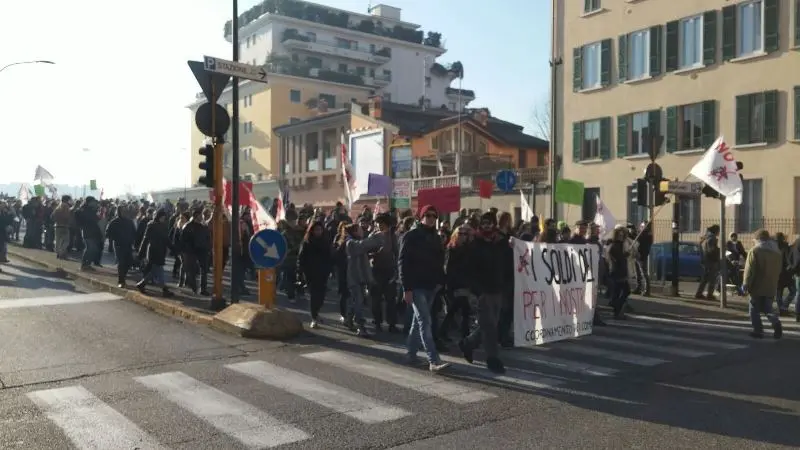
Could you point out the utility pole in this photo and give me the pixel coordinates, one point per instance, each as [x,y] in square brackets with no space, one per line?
[555,63]
[236,264]
[723,260]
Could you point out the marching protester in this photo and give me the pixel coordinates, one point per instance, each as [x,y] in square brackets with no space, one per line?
[122,232]
[314,261]
[762,272]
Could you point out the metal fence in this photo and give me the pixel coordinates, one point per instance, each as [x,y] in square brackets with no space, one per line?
[662,229]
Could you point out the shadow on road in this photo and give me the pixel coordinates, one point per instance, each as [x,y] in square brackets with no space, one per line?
[25,277]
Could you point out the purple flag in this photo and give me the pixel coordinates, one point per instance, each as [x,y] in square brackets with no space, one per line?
[379,185]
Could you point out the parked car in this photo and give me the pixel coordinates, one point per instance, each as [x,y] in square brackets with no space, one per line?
[689,260]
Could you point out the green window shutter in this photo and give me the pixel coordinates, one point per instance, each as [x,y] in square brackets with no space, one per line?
[797,23]
[743,119]
[576,141]
[587,5]
[605,138]
[709,123]
[654,124]
[671,137]
[797,112]
[729,32]
[605,62]
[622,58]
[771,116]
[622,135]
[710,38]
[656,54]
[672,46]
[772,25]
[577,69]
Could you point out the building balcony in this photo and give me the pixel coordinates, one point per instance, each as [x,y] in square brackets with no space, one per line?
[285,66]
[378,80]
[454,94]
[470,181]
[293,40]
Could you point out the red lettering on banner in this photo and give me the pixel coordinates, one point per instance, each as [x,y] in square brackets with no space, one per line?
[572,301]
[533,304]
[726,152]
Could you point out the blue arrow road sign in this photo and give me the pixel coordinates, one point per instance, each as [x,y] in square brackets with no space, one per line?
[506,180]
[267,249]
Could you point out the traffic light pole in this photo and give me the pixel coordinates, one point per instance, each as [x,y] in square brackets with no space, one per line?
[236,263]
[676,240]
[217,301]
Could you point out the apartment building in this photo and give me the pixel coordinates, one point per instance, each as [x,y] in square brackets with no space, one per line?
[322,56]
[689,72]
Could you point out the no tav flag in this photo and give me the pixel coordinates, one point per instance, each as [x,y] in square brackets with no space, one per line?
[717,169]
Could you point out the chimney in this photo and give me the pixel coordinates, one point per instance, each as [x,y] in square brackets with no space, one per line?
[375,106]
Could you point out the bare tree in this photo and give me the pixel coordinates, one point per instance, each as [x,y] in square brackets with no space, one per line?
[541,117]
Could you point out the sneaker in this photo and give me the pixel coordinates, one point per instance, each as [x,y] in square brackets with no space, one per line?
[438,366]
[313,324]
[362,332]
[777,331]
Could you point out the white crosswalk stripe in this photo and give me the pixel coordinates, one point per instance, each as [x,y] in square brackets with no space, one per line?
[247,424]
[57,300]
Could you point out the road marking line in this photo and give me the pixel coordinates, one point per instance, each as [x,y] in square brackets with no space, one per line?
[403,377]
[513,376]
[689,353]
[90,423]
[628,358]
[744,328]
[72,299]
[743,323]
[526,354]
[659,334]
[239,420]
[339,399]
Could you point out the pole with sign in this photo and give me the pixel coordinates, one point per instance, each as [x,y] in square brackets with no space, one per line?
[267,250]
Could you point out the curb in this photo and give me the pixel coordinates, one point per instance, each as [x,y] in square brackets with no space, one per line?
[159,306]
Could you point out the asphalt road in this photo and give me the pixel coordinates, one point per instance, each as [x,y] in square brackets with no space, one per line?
[86,370]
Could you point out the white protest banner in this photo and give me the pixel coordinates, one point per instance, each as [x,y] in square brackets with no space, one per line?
[555,291]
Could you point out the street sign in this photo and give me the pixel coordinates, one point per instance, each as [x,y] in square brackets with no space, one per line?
[212,128]
[212,84]
[505,180]
[685,188]
[267,249]
[235,69]
[653,172]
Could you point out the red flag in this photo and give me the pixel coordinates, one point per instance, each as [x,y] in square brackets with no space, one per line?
[485,188]
[259,215]
[244,188]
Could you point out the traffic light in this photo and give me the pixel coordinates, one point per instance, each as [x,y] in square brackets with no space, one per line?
[640,191]
[207,179]
[660,198]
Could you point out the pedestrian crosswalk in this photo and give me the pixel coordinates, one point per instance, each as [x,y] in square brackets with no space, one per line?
[57,300]
[367,387]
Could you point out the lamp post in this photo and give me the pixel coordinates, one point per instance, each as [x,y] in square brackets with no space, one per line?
[18,63]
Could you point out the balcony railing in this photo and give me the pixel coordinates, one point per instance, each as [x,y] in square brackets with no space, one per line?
[469,181]
[292,38]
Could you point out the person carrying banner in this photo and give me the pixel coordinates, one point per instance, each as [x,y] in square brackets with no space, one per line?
[488,253]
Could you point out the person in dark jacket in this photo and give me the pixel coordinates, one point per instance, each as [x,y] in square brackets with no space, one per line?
[709,246]
[618,272]
[314,262]
[122,232]
[421,273]
[154,247]
[195,241]
[488,254]
[645,239]
[384,273]
[457,268]
[92,235]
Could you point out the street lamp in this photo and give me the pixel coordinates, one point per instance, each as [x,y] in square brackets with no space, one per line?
[41,61]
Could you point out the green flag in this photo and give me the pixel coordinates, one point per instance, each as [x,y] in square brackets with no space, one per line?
[93,185]
[569,192]
[38,190]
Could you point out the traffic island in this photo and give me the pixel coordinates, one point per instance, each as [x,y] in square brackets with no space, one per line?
[255,321]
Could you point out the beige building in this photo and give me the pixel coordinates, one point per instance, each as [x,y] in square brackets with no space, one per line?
[687,71]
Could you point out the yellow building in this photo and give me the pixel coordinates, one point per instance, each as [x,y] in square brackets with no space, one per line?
[262,107]
[687,71]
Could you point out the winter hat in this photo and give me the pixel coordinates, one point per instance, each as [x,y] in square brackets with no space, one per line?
[427,209]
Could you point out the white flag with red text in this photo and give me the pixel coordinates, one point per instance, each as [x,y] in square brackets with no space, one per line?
[717,169]
[261,218]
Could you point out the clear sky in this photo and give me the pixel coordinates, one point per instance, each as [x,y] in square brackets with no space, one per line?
[112,108]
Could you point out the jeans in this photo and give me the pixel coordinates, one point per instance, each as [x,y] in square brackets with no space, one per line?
[355,304]
[3,250]
[620,290]
[709,280]
[762,304]
[421,325]
[62,241]
[154,275]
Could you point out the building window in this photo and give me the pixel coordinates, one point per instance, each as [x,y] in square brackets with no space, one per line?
[427,81]
[343,68]
[387,74]
[635,133]
[312,153]
[689,215]
[691,130]
[482,147]
[591,65]
[750,33]
[749,215]
[295,96]
[387,97]
[248,41]
[247,127]
[691,127]
[541,158]
[329,154]
[636,214]
[640,134]
[757,118]
[247,154]
[591,5]
[314,62]
[589,207]
[638,55]
[343,43]
[294,119]
[247,100]
[361,71]
[329,99]
[591,140]
[797,96]
[690,38]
